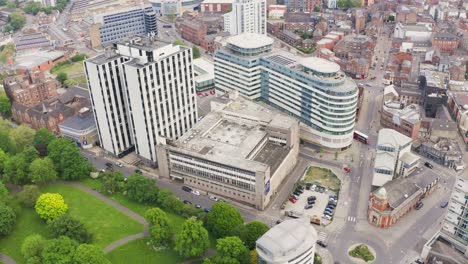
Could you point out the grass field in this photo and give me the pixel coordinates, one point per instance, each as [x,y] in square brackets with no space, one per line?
[28,223]
[70,69]
[138,252]
[106,223]
[323,176]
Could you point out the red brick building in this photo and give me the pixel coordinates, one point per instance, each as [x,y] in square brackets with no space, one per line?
[396,198]
[30,88]
[302,6]
[216,6]
[406,14]
[446,42]
[290,37]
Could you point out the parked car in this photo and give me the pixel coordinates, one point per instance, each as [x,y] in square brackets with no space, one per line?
[195,192]
[312,198]
[444,204]
[328,217]
[419,205]
[207,210]
[278,221]
[427,164]
[347,169]
[108,164]
[292,200]
[186,188]
[308,206]
[332,206]
[118,164]
[102,170]
[187,202]
[198,206]
[321,243]
[297,194]
[299,190]
[311,202]
[137,171]
[213,198]
[295,197]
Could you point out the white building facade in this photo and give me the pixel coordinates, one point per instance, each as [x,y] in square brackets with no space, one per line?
[313,90]
[47,3]
[155,91]
[247,16]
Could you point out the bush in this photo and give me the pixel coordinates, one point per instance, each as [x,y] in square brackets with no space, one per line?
[71,227]
[78,57]
[28,196]
[362,252]
[32,247]
[141,189]
[7,219]
[50,206]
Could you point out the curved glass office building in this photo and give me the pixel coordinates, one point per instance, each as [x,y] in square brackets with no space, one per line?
[311,89]
[174,7]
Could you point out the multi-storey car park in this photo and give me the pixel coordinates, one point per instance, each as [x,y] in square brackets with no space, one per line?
[313,90]
[240,150]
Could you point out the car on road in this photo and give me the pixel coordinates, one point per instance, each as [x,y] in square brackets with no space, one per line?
[299,190]
[297,194]
[195,192]
[186,188]
[368,84]
[419,205]
[308,206]
[321,243]
[313,197]
[292,200]
[213,198]
[198,206]
[347,169]
[109,165]
[207,210]
[118,164]
[429,165]
[295,197]
[137,171]
[102,170]
[278,221]
[444,204]
[187,202]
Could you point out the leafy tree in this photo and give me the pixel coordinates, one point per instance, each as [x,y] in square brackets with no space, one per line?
[59,251]
[3,158]
[254,230]
[32,247]
[168,201]
[16,170]
[23,136]
[196,52]
[62,77]
[50,206]
[391,18]
[67,159]
[316,9]
[42,138]
[6,142]
[160,230]
[78,57]
[7,28]
[192,240]
[112,182]
[29,195]
[7,219]
[42,170]
[230,250]
[66,225]
[3,191]
[141,189]
[32,8]
[5,106]
[179,42]
[30,154]
[11,4]
[3,2]
[223,219]
[90,254]
[17,20]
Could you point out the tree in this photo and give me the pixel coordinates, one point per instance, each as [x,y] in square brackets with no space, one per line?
[3,158]
[196,52]
[29,195]
[59,251]
[78,57]
[17,20]
[42,139]
[69,163]
[112,182]
[222,220]
[3,191]
[66,225]
[7,28]
[32,247]
[7,219]
[90,254]
[391,18]
[141,189]
[179,42]
[42,170]
[253,256]
[316,9]
[11,4]
[32,8]
[231,250]
[16,170]
[254,230]
[5,106]
[160,230]
[62,77]
[7,144]
[168,201]
[192,240]
[50,206]
[23,136]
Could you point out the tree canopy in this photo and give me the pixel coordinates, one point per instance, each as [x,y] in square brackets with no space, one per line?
[90,254]
[69,163]
[32,247]
[23,136]
[42,170]
[160,230]
[42,139]
[230,250]
[5,106]
[59,251]
[29,195]
[66,225]
[192,240]
[254,230]
[7,219]
[223,219]
[50,206]
[141,189]
[17,20]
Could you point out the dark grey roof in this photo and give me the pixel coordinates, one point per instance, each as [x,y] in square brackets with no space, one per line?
[79,122]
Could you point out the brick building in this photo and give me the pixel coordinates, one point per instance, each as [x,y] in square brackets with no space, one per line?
[216,6]
[406,14]
[30,88]
[290,37]
[302,6]
[355,53]
[192,30]
[446,42]
[399,67]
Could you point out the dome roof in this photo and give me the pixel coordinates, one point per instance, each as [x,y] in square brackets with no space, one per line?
[381,193]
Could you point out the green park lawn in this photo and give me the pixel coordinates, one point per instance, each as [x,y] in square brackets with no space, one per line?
[106,223]
[138,252]
[69,69]
[28,223]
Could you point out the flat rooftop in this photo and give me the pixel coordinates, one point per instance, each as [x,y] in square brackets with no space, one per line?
[250,40]
[410,113]
[232,134]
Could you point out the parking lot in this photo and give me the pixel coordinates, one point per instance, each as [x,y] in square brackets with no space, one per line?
[318,208]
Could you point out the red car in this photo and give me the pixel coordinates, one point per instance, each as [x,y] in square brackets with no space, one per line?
[347,169]
[292,200]
[212,92]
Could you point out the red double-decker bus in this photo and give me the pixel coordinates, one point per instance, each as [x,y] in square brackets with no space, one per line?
[361,137]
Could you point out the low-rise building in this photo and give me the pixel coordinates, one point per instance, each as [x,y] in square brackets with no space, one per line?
[30,88]
[444,151]
[240,150]
[32,40]
[355,51]
[204,75]
[291,241]
[216,6]
[81,128]
[457,105]
[393,158]
[446,42]
[395,199]
[414,32]
[290,38]
[277,11]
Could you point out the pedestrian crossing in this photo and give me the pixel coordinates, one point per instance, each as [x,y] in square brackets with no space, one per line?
[351,219]
[322,236]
